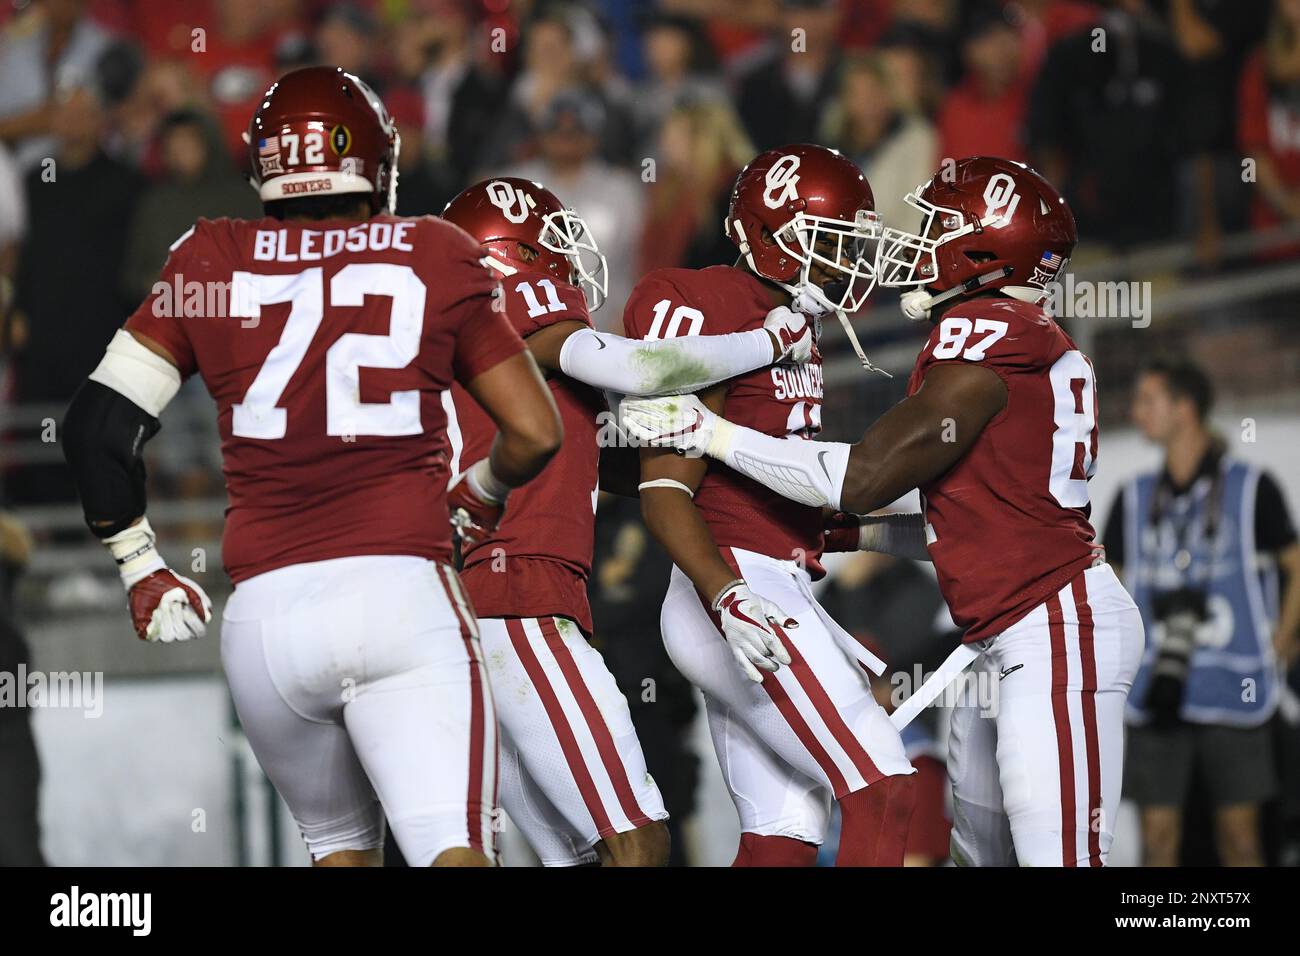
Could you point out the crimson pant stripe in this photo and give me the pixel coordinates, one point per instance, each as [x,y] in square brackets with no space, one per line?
[560,724]
[787,709]
[477,729]
[1088,657]
[830,716]
[609,755]
[1061,717]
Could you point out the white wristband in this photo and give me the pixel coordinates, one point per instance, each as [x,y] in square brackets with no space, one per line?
[135,553]
[486,485]
[665,483]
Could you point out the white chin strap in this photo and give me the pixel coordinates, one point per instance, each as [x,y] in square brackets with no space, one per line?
[918,304]
[807,302]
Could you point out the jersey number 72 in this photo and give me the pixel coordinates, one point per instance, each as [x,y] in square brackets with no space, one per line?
[258,415]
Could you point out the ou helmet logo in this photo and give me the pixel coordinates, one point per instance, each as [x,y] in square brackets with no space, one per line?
[1000,193]
[782,182]
[511,200]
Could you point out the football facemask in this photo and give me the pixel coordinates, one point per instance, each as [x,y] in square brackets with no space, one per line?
[566,233]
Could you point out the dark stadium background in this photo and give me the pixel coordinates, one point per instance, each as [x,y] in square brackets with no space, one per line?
[639,114]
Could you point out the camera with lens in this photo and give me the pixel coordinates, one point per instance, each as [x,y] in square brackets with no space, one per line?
[1181,613]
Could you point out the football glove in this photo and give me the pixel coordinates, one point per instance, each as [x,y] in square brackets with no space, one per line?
[676,421]
[794,331]
[476,500]
[165,606]
[753,628]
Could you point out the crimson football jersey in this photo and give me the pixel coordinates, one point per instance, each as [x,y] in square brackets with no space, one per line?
[779,400]
[326,347]
[536,564]
[1008,524]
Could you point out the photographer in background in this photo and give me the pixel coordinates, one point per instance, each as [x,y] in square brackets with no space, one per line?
[1201,544]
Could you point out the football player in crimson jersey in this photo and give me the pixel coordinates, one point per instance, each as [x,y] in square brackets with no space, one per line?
[795,725]
[573,775]
[331,330]
[999,433]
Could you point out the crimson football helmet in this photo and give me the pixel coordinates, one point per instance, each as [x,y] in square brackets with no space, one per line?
[525,228]
[987,223]
[321,130]
[798,207]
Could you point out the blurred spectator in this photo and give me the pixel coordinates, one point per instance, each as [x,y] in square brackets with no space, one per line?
[80,209]
[895,149]
[462,102]
[1268,125]
[560,48]
[611,200]
[20,832]
[1108,103]
[909,66]
[348,36]
[1214,39]
[1201,543]
[781,100]
[983,115]
[701,149]
[198,181]
[678,60]
[246,44]
[54,45]
[13,216]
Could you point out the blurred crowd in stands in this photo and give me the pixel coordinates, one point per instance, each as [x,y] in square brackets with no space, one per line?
[121,120]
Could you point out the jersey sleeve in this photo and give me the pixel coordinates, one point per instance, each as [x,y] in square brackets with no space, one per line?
[536,302]
[158,317]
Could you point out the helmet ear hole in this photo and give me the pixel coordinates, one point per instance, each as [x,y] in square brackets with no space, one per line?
[979,257]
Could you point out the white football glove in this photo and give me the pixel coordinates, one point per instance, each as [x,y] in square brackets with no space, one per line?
[796,333]
[164,605]
[753,628]
[674,421]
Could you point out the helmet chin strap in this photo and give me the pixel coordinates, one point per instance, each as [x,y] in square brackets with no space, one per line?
[918,304]
[808,303]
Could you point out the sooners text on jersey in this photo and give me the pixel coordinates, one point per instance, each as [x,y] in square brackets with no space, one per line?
[1008,524]
[326,346]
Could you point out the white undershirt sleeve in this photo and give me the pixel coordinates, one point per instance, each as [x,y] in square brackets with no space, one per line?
[130,369]
[662,367]
[809,472]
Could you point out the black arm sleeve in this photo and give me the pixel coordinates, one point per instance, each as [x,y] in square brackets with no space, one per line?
[1274,530]
[103,434]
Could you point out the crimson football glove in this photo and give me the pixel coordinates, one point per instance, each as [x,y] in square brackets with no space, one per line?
[476,500]
[165,606]
[753,628]
[794,331]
